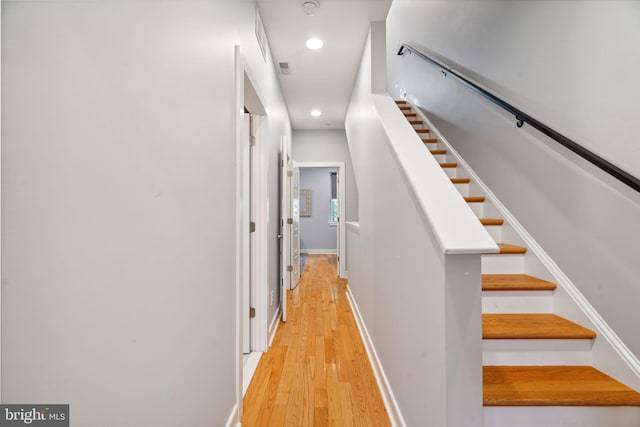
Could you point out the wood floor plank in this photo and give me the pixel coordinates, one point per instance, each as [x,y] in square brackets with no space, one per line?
[316,372]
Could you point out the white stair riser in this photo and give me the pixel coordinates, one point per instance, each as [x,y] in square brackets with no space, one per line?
[537,352]
[451,172]
[463,189]
[502,264]
[477,208]
[565,416]
[440,158]
[495,231]
[517,302]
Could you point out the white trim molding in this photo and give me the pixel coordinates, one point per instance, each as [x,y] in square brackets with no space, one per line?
[234,418]
[275,324]
[390,403]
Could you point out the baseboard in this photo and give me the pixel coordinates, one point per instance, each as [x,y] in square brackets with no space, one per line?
[390,403]
[233,420]
[275,323]
[319,251]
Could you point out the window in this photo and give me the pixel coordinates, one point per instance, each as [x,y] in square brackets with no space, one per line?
[333,218]
[333,206]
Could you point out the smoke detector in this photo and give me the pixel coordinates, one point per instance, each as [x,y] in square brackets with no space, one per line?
[310,6]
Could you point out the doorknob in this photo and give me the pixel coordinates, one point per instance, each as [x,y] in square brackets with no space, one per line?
[279,236]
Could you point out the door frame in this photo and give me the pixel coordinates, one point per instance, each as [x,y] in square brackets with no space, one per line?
[342,216]
[285,231]
[247,96]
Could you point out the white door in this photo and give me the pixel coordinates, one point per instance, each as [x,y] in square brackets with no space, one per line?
[284,236]
[294,220]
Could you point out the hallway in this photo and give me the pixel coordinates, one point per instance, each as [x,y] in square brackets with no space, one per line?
[316,372]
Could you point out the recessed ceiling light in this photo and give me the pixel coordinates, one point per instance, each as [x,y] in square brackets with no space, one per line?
[316,113]
[314,43]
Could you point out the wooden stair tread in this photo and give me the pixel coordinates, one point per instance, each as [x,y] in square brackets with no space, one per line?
[423,130]
[474,199]
[460,180]
[511,249]
[532,326]
[491,221]
[449,165]
[405,107]
[409,114]
[401,102]
[436,152]
[515,282]
[553,386]
[430,140]
[416,122]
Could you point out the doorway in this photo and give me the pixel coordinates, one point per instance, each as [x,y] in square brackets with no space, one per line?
[322,212]
[252,230]
[318,213]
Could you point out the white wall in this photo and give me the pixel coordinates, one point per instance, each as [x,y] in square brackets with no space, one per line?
[118,191]
[315,231]
[328,146]
[572,65]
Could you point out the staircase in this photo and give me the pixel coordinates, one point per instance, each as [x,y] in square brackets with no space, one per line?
[537,365]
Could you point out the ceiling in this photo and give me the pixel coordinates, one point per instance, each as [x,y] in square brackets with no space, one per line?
[319,79]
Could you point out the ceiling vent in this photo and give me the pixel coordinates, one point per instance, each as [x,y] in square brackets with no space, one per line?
[310,7]
[284,67]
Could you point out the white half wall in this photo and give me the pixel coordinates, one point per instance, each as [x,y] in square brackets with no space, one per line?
[578,76]
[415,277]
[118,213]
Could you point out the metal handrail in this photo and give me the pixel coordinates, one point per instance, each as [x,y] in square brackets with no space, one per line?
[522,118]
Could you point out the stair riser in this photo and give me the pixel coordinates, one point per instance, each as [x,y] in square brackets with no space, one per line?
[517,302]
[502,264]
[565,416]
[495,231]
[451,172]
[463,189]
[440,158]
[536,352]
[477,208]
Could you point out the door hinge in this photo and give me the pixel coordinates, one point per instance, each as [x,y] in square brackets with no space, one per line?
[338,257]
[281,163]
[289,220]
[289,173]
[252,312]
[252,140]
[252,227]
[289,267]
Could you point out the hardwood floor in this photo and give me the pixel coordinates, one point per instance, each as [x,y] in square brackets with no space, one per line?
[316,372]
